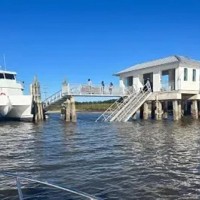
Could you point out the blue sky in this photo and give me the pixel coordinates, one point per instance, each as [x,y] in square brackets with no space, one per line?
[81,39]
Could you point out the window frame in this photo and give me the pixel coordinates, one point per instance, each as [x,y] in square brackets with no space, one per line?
[194,75]
[185,78]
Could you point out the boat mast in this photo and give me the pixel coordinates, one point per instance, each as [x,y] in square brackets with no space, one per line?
[4,61]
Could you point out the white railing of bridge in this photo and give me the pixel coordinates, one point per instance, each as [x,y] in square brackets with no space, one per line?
[53,98]
[85,90]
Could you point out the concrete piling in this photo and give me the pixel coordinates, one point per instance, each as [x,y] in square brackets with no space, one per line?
[158,111]
[145,111]
[165,109]
[194,109]
[177,111]
[73,110]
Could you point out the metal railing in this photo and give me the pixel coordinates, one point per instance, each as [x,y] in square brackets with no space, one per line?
[85,90]
[117,105]
[95,89]
[18,180]
[53,98]
[134,104]
[122,110]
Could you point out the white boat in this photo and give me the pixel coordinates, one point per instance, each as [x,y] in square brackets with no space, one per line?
[13,103]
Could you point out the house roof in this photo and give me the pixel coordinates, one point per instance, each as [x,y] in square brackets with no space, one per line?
[162,61]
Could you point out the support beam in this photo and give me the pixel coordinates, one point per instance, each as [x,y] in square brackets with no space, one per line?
[145,111]
[165,109]
[158,111]
[176,110]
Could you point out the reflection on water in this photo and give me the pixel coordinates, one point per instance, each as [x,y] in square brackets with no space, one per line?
[134,160]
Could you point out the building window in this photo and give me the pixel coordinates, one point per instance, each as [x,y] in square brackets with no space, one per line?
[185,74]
[129,81]
[194,75]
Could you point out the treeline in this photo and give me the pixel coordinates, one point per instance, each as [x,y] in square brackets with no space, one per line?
[87,106]
[96,102]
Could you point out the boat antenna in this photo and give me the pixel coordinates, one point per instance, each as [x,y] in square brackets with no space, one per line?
[4,61]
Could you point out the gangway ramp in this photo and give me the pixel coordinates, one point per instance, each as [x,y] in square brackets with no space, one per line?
[122,110]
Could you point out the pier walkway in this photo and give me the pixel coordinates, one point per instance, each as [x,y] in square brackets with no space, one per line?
[84,90]
[129,100]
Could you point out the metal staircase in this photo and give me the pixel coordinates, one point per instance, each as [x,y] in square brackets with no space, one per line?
[122,109]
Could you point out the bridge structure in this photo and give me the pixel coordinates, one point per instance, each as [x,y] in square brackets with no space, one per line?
[129,100]
[83,90]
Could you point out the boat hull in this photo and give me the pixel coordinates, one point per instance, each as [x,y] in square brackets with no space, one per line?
[20,107]
[5,105]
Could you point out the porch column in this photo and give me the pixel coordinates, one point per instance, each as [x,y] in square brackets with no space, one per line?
[194,109]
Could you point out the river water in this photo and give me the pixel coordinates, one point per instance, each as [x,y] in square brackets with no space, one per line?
[134,160]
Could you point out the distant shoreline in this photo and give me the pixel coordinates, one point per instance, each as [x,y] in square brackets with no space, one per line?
[81,111]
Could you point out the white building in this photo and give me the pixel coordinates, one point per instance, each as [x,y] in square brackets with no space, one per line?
[175,73]
[174,79]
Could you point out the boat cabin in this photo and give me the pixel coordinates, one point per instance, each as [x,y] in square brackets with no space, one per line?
[7,75]
[8,83]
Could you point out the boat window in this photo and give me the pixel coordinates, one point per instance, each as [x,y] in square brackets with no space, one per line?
[1,76]
[10,76]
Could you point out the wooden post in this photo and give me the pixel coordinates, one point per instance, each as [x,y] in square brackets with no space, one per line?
[38,112]
[63,111]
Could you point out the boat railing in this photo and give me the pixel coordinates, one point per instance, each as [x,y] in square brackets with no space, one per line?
[19,179]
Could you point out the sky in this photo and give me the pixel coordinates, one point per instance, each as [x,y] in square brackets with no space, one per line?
[80,39]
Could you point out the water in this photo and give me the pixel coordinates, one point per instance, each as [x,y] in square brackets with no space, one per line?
[135,160]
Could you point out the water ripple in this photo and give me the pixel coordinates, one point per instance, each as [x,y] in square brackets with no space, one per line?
[134,160]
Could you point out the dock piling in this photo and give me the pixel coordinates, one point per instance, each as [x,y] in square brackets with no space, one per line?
[38,111]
